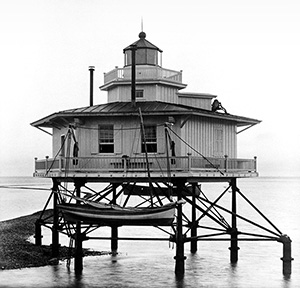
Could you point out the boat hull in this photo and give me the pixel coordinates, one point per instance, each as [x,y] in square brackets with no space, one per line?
[157,216]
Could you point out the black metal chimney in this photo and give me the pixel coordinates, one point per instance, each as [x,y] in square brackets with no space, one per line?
[133,49]
[91,69]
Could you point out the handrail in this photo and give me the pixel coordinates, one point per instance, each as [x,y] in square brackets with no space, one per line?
[138,164]
[142,72]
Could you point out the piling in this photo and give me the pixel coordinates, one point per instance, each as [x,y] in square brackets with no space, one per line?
[114,229]
[38,233]
[78,261]
[233,232]
[287,254]
[114,240]
[55,232]
[179,258]
[180,230]
[194,223]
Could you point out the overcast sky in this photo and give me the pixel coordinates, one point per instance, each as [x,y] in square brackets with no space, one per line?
[246,52]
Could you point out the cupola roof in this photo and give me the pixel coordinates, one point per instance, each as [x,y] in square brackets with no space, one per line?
[142,43]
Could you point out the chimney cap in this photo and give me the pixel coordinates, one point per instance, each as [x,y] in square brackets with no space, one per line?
[91,67]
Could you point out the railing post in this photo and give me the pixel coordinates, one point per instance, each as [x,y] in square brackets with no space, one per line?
[157,70]
[189,161]
[59,163]
[180,76]
[46,164]
[120,72]
[125,159]
[226,163]
[35,160]
[255,163]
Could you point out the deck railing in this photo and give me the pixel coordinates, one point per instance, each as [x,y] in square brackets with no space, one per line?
[143,73]
[138,164]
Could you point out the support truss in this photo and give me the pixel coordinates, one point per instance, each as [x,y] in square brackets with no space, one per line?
[200,219]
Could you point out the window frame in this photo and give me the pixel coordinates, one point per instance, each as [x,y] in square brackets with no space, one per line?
[137,91]
[106,143]
[150,139]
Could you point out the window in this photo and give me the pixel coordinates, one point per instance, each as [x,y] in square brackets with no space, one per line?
[106,139]
[150,139]
[139,93]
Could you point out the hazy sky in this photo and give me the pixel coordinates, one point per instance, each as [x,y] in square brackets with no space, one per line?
[246,52]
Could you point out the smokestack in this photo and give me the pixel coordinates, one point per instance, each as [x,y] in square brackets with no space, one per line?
[133,49]
[91,69]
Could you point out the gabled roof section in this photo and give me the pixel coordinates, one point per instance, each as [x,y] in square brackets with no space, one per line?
[125,109]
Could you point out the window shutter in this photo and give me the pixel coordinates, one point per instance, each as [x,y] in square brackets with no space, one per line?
[161,143]
[118,138]
[94,140]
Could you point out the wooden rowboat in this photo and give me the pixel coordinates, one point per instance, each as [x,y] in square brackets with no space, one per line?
[109,215]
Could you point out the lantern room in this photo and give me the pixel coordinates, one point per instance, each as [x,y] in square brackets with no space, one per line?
[146,53]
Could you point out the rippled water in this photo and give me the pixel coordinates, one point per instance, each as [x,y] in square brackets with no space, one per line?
[151,264]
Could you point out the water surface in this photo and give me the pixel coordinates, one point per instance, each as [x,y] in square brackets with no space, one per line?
[151,264]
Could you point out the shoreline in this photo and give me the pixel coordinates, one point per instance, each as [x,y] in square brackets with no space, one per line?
[17,252]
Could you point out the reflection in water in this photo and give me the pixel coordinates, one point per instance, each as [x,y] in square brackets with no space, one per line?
[179,282]
[138,269]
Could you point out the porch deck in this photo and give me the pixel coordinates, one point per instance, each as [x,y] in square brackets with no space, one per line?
[118,167]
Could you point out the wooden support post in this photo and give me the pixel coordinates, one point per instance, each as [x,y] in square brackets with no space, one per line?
[179,258]
[55,234]
[78,261]
[234,232]
[194,223]
[114,240]
[38,233]
[114,229]
[287,254]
